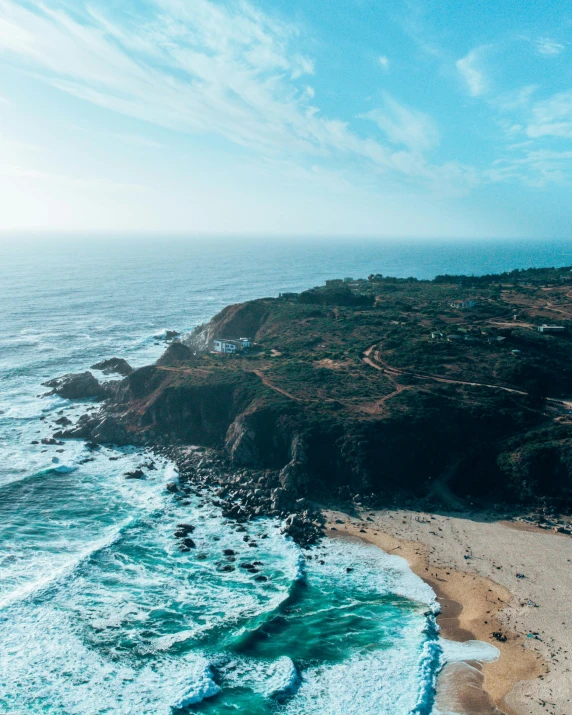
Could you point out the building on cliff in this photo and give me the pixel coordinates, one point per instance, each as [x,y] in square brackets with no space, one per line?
[224,345]
[551,328]
[462,304]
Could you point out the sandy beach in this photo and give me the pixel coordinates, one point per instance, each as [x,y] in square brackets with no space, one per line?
[472,564]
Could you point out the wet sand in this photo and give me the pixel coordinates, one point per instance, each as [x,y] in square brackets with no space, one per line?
[472,565]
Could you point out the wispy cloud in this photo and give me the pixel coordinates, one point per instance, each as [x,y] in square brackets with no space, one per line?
[537,168]
[552,117]
[515,100]
[383,62]
[224,69]
[546,46]
[404,125]
[472,74]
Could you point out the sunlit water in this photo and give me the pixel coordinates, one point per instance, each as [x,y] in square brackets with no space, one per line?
[100,612]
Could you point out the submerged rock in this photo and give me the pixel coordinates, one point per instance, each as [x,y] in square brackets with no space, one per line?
[135,474]
[184,530]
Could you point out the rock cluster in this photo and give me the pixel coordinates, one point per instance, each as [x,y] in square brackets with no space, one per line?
[96,428]
[245,494]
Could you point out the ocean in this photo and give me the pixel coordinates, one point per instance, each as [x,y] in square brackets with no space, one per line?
[100,612]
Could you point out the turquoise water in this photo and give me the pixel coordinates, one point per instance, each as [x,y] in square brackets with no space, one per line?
[99,610]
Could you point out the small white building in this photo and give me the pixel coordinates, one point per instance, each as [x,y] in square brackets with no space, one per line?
[551,329]
[225,345]
[461,304]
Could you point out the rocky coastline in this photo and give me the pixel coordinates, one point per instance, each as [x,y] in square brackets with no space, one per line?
[320,417]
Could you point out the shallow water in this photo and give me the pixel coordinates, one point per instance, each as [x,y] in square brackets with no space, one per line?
[99,610]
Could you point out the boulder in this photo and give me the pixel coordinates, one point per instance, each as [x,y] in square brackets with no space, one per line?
[78,386]
[64,421]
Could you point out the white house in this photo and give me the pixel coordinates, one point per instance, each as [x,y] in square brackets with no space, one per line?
[460,304]
[551,329]
[224,345]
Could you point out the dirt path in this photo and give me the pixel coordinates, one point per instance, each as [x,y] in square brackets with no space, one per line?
[550,306]
[269,384]
[396,372]
[392,372]
[258,373]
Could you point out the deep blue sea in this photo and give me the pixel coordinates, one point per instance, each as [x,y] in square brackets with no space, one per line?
[99,610]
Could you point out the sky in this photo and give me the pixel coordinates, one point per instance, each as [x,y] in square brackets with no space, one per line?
[425,118]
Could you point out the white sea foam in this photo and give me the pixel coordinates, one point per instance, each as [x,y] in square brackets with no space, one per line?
[386,681]
[376,570]
[282,679]
[201,686]
[454,651]
[66,566]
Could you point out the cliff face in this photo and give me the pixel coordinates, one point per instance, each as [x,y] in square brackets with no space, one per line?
[371,394]
[180,406]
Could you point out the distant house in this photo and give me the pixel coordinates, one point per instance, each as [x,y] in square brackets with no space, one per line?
[454,338]
[551,329]
[461,304]
[224,345]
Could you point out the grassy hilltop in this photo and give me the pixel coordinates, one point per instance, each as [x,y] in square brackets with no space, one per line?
[395,387]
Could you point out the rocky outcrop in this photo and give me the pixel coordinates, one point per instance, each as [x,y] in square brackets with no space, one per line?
[114,365]
[294,476]
[81,386]
[168,335]
[176,352]
[233,322]
[99,429]
[109,431]
[194,414]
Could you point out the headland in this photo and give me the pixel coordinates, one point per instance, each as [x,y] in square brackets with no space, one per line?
[437,414]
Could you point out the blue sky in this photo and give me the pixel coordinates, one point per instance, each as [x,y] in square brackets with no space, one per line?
[290,117]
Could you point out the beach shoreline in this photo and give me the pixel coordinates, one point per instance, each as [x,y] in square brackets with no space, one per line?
[469,577]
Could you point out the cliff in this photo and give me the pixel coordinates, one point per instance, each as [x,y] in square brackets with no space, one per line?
[385,387]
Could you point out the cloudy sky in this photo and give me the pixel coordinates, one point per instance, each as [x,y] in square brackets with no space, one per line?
[292,117]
